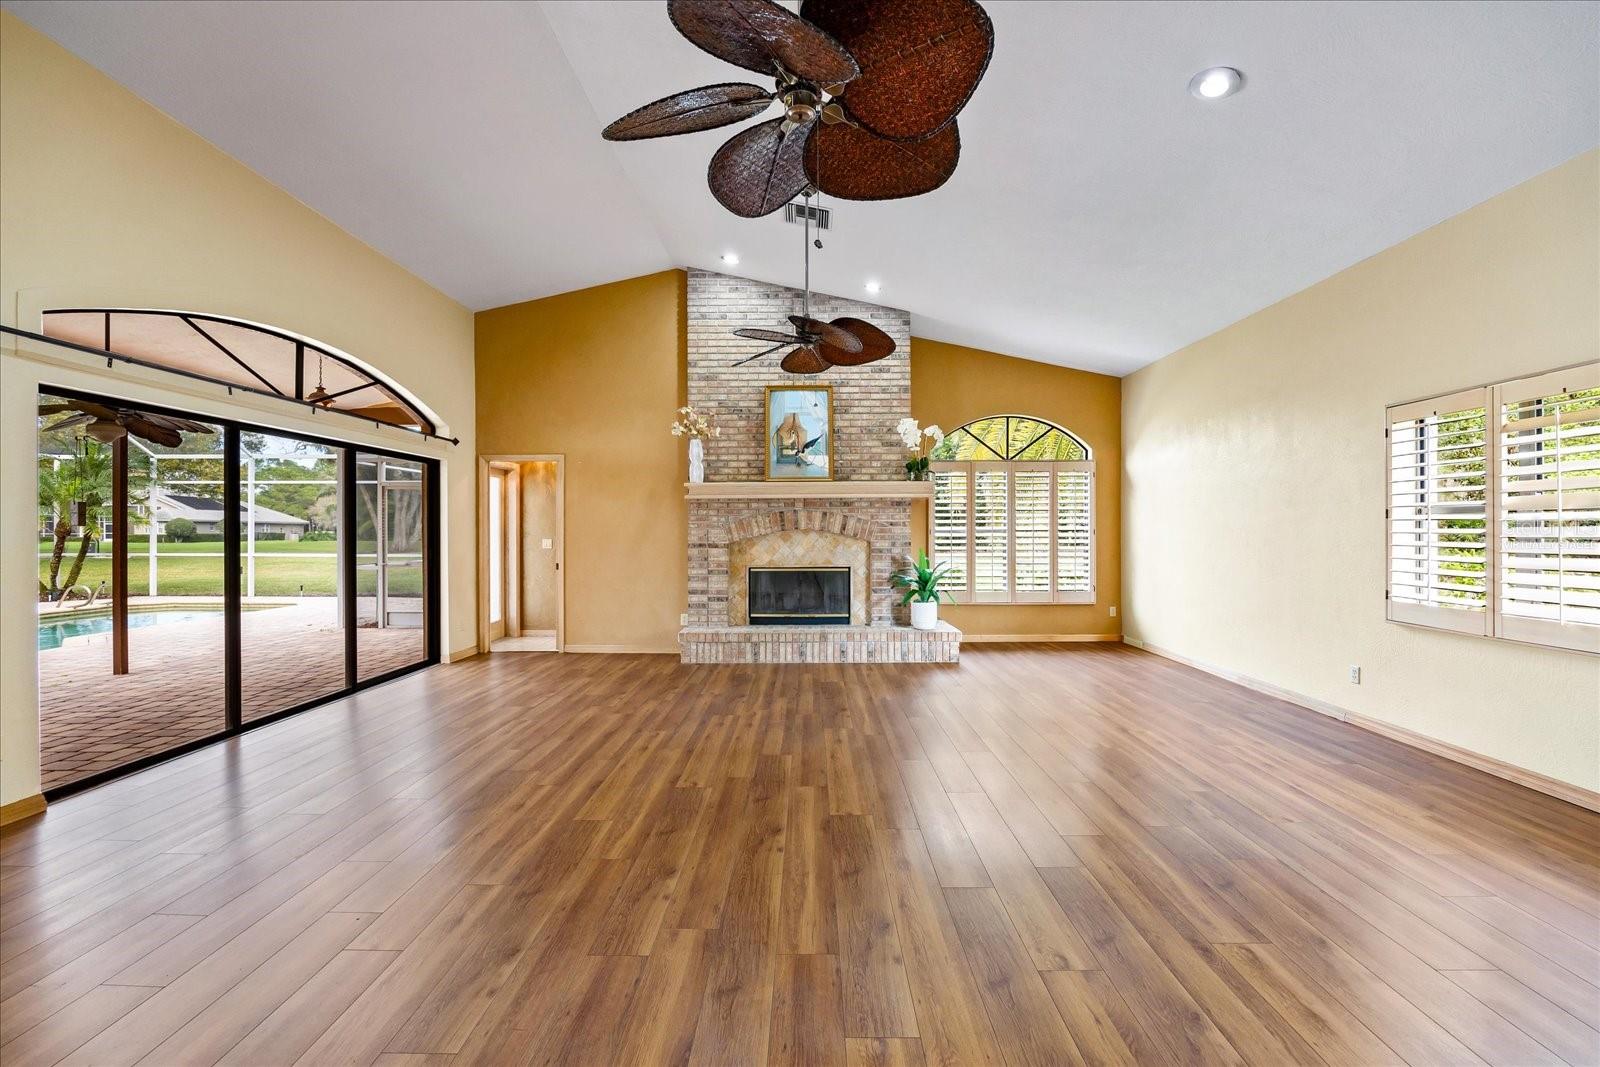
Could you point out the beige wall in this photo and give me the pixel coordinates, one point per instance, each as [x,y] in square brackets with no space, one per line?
[538,609]
[596,376]
[1254,490]
[106,201]
[951,385]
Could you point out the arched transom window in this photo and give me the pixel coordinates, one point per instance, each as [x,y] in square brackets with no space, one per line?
[1013,512]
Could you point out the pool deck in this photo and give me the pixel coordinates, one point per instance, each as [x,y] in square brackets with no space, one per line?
[91,720]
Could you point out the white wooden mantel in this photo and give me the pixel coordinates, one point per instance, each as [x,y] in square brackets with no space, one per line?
[794,489]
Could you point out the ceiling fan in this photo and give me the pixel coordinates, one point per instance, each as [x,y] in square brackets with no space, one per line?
[818,345]
[870,91]
[106,423]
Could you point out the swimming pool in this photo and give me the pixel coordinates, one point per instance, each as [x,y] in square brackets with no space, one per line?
[52,632]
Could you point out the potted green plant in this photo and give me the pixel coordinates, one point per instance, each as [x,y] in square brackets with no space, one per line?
[920,580]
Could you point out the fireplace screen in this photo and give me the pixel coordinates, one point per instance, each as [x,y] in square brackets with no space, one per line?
[799,596]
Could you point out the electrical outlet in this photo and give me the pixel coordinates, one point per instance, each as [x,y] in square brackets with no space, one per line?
[1113,611]
[1355,675]
[547,544]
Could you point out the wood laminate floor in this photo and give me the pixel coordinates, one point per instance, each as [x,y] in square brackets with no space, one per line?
[1043,856]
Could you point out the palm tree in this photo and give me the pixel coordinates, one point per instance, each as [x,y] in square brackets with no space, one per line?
[84,478]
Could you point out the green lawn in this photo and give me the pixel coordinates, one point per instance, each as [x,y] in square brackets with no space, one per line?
[138,546]
[278,573]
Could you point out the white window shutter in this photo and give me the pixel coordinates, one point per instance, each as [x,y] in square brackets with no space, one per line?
[1548,544]
[1030,538]
[951,533]
[991,533]
[1439,513]
[1074,533]
[1014,532]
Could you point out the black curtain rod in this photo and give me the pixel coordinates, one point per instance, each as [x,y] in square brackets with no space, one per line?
[117,357]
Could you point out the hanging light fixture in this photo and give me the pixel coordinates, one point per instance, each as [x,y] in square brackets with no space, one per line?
[319,396]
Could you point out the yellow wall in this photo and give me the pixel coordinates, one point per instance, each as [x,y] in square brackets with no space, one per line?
[952,385]
[1254,485]
[106,201]
[597,376]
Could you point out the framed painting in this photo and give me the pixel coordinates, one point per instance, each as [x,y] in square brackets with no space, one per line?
[799,432]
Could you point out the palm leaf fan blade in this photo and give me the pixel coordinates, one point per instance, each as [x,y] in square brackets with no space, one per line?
[690,111]
[172,422]
[148,430]
[71,421]
[920,60]
[826,333]
[762,36]
[752,333]
[804,360]
[760,169]
[852,163]
[874,344]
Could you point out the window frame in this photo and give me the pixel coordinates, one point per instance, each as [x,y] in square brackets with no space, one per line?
[1010,595]
[1493,621]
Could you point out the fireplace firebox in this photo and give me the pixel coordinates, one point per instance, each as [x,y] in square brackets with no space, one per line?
[799,596]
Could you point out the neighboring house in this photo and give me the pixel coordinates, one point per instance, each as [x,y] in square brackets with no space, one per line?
[206,514]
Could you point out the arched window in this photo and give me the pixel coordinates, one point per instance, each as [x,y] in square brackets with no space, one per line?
[243,355]
[1013,512]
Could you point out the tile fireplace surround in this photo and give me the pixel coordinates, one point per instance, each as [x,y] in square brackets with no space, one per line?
[862,520]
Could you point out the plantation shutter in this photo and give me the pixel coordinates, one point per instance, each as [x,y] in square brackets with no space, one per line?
[1030,520]
[951,535]
[1015,531]
[1438,513]
[1074,533]
[1548,460]
[991,533]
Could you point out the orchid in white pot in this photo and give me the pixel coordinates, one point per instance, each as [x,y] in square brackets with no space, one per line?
[696,426]
[914,438]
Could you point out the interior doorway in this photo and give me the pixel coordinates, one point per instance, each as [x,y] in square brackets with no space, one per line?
[521,577]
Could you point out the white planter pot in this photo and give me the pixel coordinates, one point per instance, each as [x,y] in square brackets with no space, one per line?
[924,614]
[697,460]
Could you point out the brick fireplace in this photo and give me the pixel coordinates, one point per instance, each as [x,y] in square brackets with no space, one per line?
[862,520]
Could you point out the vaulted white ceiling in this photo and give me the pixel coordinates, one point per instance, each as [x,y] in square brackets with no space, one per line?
[1100,218]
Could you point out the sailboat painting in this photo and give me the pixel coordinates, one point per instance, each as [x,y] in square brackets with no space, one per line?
[799,432]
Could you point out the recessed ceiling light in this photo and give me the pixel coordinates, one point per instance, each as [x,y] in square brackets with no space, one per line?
[874,287]
[1214,83]
[731,258]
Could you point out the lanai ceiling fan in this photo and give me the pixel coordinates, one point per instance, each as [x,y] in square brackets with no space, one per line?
[870,91]
[106,423]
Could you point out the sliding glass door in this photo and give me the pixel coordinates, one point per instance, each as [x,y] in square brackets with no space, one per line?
[391,573]
[291,629]
[131,628]
[194,582]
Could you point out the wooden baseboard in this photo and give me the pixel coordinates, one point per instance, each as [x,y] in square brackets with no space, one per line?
[461,654]
[1543,783]
[1321,707]
[1572,794]
[1037,639]
[21,809]
[664,650]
